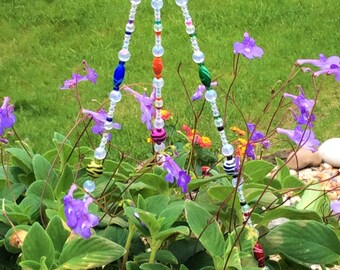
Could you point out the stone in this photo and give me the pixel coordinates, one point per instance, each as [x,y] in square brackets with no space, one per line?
[303,158]
[330,152]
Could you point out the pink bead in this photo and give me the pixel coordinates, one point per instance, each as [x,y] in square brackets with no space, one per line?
[158,135]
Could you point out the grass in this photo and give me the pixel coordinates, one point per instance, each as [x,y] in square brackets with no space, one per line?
[43,41]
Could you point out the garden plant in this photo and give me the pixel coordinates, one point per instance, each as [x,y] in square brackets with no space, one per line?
[87,203]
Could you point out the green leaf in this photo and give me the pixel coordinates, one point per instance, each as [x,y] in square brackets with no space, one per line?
[11,191]
[154,181]
[292,182]
[171,214]
[150,221]
[162,235]
[38,244]
[37,188]
[156,204]
[132,266]
[15,237]
[153,266]
[162,256]
[22,156]
[220,193]
[64,182]
[283,172]
[314,199]
[257,169]
[58,233]
[205,227]
[290,213]
[14,213]
[185,248]
[30,264]
[305,241]
[80,253]
[42,170]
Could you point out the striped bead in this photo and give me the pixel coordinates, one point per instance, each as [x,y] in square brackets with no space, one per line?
[94,169]
[229,166]
[158,135]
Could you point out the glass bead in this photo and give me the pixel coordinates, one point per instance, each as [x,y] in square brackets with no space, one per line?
[158,51]
[158,123]
[130,27]
[158,27]
[135,2]
[190,29]
[159,147]
[227,150]
[210,95]
[198,57]
[245,208]
[99,153]
[218,122]
[157,4]
[119,74]
[124,55]
[158,103]
[89,186]
[159,83]
[115,96]
[108,125]
[181,3]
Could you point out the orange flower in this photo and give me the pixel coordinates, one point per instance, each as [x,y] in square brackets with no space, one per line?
[241,146]
[165,114]
[149,140]
[205,142]
[238,131]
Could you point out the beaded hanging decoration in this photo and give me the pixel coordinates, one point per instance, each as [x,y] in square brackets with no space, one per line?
[229,164]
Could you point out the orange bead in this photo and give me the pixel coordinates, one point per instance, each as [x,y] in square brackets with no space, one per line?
[157,66]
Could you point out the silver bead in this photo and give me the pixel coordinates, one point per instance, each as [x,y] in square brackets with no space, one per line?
[115,96]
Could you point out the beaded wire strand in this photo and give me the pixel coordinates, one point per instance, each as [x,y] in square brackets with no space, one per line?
[95,167]
[229,164]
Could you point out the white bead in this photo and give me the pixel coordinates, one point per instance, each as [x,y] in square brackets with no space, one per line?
[159,147]
[158,51]
[210,95]
[108,125]
[158,123]
[115,96]
[218,122]
[181,3]
[89,186]
[135,2]
[190,29]
[100,153]
[159,83]
[157,27]
[124,55]
[130,27]
[198,57]
[158,103]
[227,150]
[157,4]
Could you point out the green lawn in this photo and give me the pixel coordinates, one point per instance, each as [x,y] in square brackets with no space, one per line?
[43,41]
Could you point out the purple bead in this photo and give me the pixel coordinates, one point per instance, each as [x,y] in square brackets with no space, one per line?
[158,135]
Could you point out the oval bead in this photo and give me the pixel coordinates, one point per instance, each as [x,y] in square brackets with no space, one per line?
[94,169]
[119,75]
[157,66]
[205,76]
[158,135]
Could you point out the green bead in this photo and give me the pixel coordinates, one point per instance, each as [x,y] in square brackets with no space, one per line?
[205,76]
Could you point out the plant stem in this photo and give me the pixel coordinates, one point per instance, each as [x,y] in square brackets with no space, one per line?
[132,230]
[154,247]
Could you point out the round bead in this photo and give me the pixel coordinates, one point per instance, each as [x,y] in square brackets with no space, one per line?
[158,103]
[159,147]
[157,4]
[245,208]
[210,95]
[158,51]
[115,96]
[130,27]
[158,135]
[218,122]
[99,153]
[158,123]
[227,150]
[158,27]
[94,169]
[135,2]
[89,186]
[159,83]
[190,29]
[181,3]
[108,125]
[198,57]
[124,55]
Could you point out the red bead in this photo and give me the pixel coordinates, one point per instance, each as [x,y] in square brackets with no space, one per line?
[259,254]
[157,66]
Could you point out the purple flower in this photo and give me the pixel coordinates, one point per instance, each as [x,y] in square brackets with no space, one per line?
[329,66]
[91,75]
[175,172]
[305,107]
[200,91]
[146,105]
[335,206]
[255,137]
[248,47]
[77,214]
[99,119]
[304,138]
[7,117]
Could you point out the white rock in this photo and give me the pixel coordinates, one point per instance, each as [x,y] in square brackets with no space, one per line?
[330,152]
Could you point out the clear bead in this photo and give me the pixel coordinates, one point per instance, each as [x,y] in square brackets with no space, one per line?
[198,57]
[115,96]
[135,2]
[157,4]
[108,125]
[158,103]
[218,122]
[89,186]
[190,29]
[159,83]
[158,123]
[227,150]
[159,147]
[210,95]
[157,27]
[158,51]
[181,3]
[130,27]
[100,153]
[245,208]
[124,55]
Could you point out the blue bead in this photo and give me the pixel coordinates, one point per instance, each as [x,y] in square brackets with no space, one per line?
[89,186]
[118,75]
